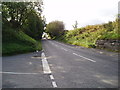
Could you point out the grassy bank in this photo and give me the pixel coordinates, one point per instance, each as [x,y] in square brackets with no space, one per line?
[15,42]
[87,36]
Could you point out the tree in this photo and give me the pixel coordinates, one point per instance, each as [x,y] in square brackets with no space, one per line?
[55,28]
[34,25]
[14,12]
[75,25]
[25,16]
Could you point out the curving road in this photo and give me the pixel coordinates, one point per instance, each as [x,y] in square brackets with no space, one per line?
[60,65]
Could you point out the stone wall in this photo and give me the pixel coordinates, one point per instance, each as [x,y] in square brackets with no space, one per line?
[108,44]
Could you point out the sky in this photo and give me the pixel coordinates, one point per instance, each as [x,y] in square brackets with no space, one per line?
[85,12]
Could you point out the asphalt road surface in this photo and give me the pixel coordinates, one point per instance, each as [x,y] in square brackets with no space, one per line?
[60,65]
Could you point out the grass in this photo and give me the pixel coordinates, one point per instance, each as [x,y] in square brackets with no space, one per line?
[16,42]
[87,36]
[15,48]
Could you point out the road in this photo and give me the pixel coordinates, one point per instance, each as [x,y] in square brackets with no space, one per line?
[60,65]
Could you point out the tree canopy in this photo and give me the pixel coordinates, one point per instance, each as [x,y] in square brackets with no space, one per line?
[55,28]
[25,16]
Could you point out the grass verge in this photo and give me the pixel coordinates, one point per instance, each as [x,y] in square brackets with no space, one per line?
[16,42]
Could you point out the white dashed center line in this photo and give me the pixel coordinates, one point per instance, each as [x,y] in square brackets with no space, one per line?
[30,63]
[77,54]
[84,57]
[64,49]
[101,52]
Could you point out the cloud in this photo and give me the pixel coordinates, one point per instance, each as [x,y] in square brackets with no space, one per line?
[92,22]
[86,12]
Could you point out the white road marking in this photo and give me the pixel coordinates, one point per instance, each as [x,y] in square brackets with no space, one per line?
[54,84]
[64,49]
[57,46]
[54,44]
[64,44]
[46,68]
[101,52]
[30,63]
[36,50]
[51,77]
[84,57]
[78,55]
[18,73]
[75,54]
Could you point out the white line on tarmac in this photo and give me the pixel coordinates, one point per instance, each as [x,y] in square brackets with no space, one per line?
[84,57]
[64,49]
[75,54]
[30,63]
[54,84]
[18,73]
[101,52]
[63,44]
[51,77]
[46,68]
[53,44]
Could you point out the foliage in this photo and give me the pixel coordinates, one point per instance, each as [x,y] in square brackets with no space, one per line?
[55,28]
[18,42]
[24,16]
[22,27]
[87,36]
[34,26]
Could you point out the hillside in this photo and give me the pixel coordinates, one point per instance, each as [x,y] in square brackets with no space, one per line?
[22,27]
[88,36]
[15,42]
